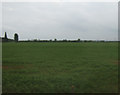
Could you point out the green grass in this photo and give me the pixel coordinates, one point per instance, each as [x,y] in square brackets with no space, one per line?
[60,67]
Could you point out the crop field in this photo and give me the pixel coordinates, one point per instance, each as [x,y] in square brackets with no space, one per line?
[30,67]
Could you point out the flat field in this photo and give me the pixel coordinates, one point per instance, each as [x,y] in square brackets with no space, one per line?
[60,67]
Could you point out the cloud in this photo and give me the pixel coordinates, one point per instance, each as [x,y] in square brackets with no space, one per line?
[61,20]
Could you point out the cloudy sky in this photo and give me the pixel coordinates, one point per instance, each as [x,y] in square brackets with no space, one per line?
[61,20]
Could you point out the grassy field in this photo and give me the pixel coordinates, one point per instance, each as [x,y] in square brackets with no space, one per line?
[60,67]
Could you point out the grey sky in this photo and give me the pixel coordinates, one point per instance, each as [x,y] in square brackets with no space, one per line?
[92,21]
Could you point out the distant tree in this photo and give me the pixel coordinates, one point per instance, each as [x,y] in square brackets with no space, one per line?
[64,40]
[16,37]
[90,41]
[50,40]
[5,35]
[78,40]
[35,40]
[102,41]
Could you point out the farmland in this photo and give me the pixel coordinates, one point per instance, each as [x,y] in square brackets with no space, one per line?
[60,67]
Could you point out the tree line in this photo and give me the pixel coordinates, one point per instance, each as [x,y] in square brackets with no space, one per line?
[55,40]
[16,39]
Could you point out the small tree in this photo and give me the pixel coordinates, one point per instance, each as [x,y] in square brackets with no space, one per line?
[55,40]
[50,40]
[64,40]
[16,37]
[78,40]
[35,40]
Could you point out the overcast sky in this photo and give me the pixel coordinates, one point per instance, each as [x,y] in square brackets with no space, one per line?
[73,20]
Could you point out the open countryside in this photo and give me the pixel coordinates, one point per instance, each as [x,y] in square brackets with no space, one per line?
[59,47]
[60,67]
